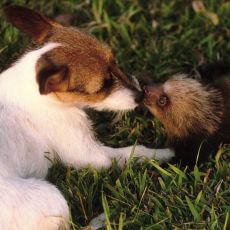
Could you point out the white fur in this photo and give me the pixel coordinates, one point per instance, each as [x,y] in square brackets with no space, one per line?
[31,204]
[122,99]
[35,127]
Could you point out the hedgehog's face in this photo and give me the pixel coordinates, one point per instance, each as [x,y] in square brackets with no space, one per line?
[185,106]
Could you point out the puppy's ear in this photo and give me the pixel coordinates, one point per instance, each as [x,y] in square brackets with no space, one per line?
[35,25]
[53,78]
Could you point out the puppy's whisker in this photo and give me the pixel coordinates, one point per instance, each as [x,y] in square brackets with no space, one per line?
[136,83]
[118,117]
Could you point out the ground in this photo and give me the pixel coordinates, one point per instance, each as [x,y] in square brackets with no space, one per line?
[160,37]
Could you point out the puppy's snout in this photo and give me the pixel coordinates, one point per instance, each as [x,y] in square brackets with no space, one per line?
[139,96]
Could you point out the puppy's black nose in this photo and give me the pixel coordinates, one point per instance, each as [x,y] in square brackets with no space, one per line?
[139,97]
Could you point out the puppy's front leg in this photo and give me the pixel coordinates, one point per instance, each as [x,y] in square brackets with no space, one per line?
[123,154]
[100,156]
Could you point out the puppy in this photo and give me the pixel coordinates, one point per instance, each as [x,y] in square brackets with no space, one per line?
[42,101]
[195,113]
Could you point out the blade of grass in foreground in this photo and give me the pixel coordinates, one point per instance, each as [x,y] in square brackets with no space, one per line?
[192,209]
[106,211]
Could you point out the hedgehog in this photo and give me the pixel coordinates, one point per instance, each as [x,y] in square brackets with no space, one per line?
[194,112]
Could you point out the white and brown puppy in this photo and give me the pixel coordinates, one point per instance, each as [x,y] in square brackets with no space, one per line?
[195,113]
[42,97]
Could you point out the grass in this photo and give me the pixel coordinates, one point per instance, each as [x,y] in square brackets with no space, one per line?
[161,37]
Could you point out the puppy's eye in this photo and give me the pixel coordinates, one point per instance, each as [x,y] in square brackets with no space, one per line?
[162,101]
[107,83]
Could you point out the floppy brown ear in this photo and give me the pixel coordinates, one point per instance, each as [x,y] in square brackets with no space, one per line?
[53,79]
[34,24]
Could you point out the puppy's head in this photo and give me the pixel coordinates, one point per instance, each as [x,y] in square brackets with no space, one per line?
[185,106]
[80,70]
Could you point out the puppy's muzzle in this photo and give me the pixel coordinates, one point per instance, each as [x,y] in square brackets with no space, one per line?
[139,94]
[130,82]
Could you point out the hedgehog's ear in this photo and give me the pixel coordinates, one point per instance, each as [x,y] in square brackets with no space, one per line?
[34,24]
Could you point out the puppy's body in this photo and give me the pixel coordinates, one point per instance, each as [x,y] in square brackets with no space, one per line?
[42,97]
[195,114]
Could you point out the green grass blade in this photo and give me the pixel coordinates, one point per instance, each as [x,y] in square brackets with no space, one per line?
[193,209]
[106,211]
[160,169]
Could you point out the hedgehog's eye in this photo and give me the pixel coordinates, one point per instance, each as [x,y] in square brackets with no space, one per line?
[162,101]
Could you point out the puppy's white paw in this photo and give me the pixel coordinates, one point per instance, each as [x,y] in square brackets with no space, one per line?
[97,222]
[161,155]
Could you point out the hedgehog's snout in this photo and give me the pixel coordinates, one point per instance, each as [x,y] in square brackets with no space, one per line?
[151,94]
[146,89]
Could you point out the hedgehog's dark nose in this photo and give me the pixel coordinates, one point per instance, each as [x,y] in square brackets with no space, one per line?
[146,89]
[139,96]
